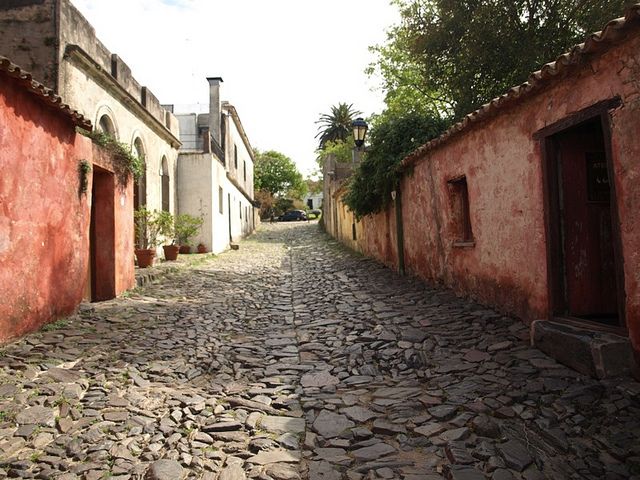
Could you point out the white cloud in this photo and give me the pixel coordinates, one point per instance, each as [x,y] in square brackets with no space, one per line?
[283,61]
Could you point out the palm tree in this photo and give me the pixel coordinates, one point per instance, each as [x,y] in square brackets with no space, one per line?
[337,124]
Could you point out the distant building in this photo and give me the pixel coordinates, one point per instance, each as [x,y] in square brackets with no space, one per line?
[313,200]
[215,172]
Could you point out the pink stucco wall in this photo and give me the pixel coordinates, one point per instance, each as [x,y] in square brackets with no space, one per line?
[502,162]
[44,220]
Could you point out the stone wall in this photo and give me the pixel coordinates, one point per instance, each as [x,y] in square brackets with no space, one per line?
[28,36]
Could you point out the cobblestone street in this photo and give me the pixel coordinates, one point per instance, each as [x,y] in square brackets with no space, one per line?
[294,358]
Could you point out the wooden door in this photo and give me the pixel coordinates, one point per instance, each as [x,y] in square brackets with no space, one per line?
[586,230]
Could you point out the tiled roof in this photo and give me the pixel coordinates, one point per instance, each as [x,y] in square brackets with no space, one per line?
[47,95]
[614,31]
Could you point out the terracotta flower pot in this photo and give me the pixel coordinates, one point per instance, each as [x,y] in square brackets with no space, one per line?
[202,248]
[145,257]
[171,252]
[185,249]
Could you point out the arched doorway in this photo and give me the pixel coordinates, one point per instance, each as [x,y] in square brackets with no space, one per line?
[165,185]
[140,187]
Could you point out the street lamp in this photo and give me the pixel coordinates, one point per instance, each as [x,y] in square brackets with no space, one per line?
[359,131]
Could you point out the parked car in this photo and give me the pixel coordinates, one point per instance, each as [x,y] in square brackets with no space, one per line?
[293,215]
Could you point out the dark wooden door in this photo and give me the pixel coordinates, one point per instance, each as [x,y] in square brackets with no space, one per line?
[585,216]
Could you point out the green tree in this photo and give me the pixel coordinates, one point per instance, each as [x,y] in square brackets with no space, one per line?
[277,174]
[336,126]
[341,149]
[450,57]
[392,138]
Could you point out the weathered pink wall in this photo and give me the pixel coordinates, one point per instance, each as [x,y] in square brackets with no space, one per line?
[503,166]
[44,220]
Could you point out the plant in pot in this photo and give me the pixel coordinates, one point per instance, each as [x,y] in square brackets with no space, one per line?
[186,227]
[167,228]
[147,230]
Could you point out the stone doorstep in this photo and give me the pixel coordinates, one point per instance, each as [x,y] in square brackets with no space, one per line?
[597,354]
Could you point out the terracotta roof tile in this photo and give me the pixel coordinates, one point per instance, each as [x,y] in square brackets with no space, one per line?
[47,95]
[614,31]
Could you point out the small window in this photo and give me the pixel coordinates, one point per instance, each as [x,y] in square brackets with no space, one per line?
[244,168]
[220,199]
[460,214]
[235,157]
[240,206]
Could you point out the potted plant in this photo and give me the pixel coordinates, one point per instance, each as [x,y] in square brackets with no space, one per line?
[186,227]
[167,228]
[202,248]
[147,228]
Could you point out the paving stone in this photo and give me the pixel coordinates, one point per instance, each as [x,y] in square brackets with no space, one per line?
[330,424]
[165,470]
[515,455]
[372,452]
[359,414]
[274,456]
[280,471]
[443,412]
[282,424]
[466,474]
[36,416]
[323,471]
[318,379]
[232,472]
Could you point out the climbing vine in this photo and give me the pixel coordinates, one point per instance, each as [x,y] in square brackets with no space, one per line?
[84,169]
[125,162]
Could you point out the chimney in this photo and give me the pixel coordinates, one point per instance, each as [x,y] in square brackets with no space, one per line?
[215,114]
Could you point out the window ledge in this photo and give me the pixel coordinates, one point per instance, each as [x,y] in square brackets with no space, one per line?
[461,244]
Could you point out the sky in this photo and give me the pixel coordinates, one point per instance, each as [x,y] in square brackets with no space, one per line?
[283,62]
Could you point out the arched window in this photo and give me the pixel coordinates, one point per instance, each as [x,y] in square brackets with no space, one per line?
[140,188]
[165,184]
[106,126]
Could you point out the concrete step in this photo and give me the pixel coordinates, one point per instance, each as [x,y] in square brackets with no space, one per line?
[594,353]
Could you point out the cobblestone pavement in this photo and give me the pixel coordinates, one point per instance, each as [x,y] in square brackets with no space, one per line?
[294,358]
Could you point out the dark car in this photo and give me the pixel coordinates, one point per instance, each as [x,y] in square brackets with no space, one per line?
[293,215]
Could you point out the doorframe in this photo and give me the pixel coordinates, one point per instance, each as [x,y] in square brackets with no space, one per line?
[550,182]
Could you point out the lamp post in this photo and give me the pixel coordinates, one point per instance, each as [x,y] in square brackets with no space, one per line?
[360,128]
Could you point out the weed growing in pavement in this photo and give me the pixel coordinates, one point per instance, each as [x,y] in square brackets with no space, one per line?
[6,416]
[62,323]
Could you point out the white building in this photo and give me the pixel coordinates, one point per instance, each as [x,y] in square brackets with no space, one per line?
[215,172]
[313,200]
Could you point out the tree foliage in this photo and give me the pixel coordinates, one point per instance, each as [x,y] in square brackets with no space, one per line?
[449,57]
[277,182]
[342,150]
[336,126]
[392,138]
[277,174]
